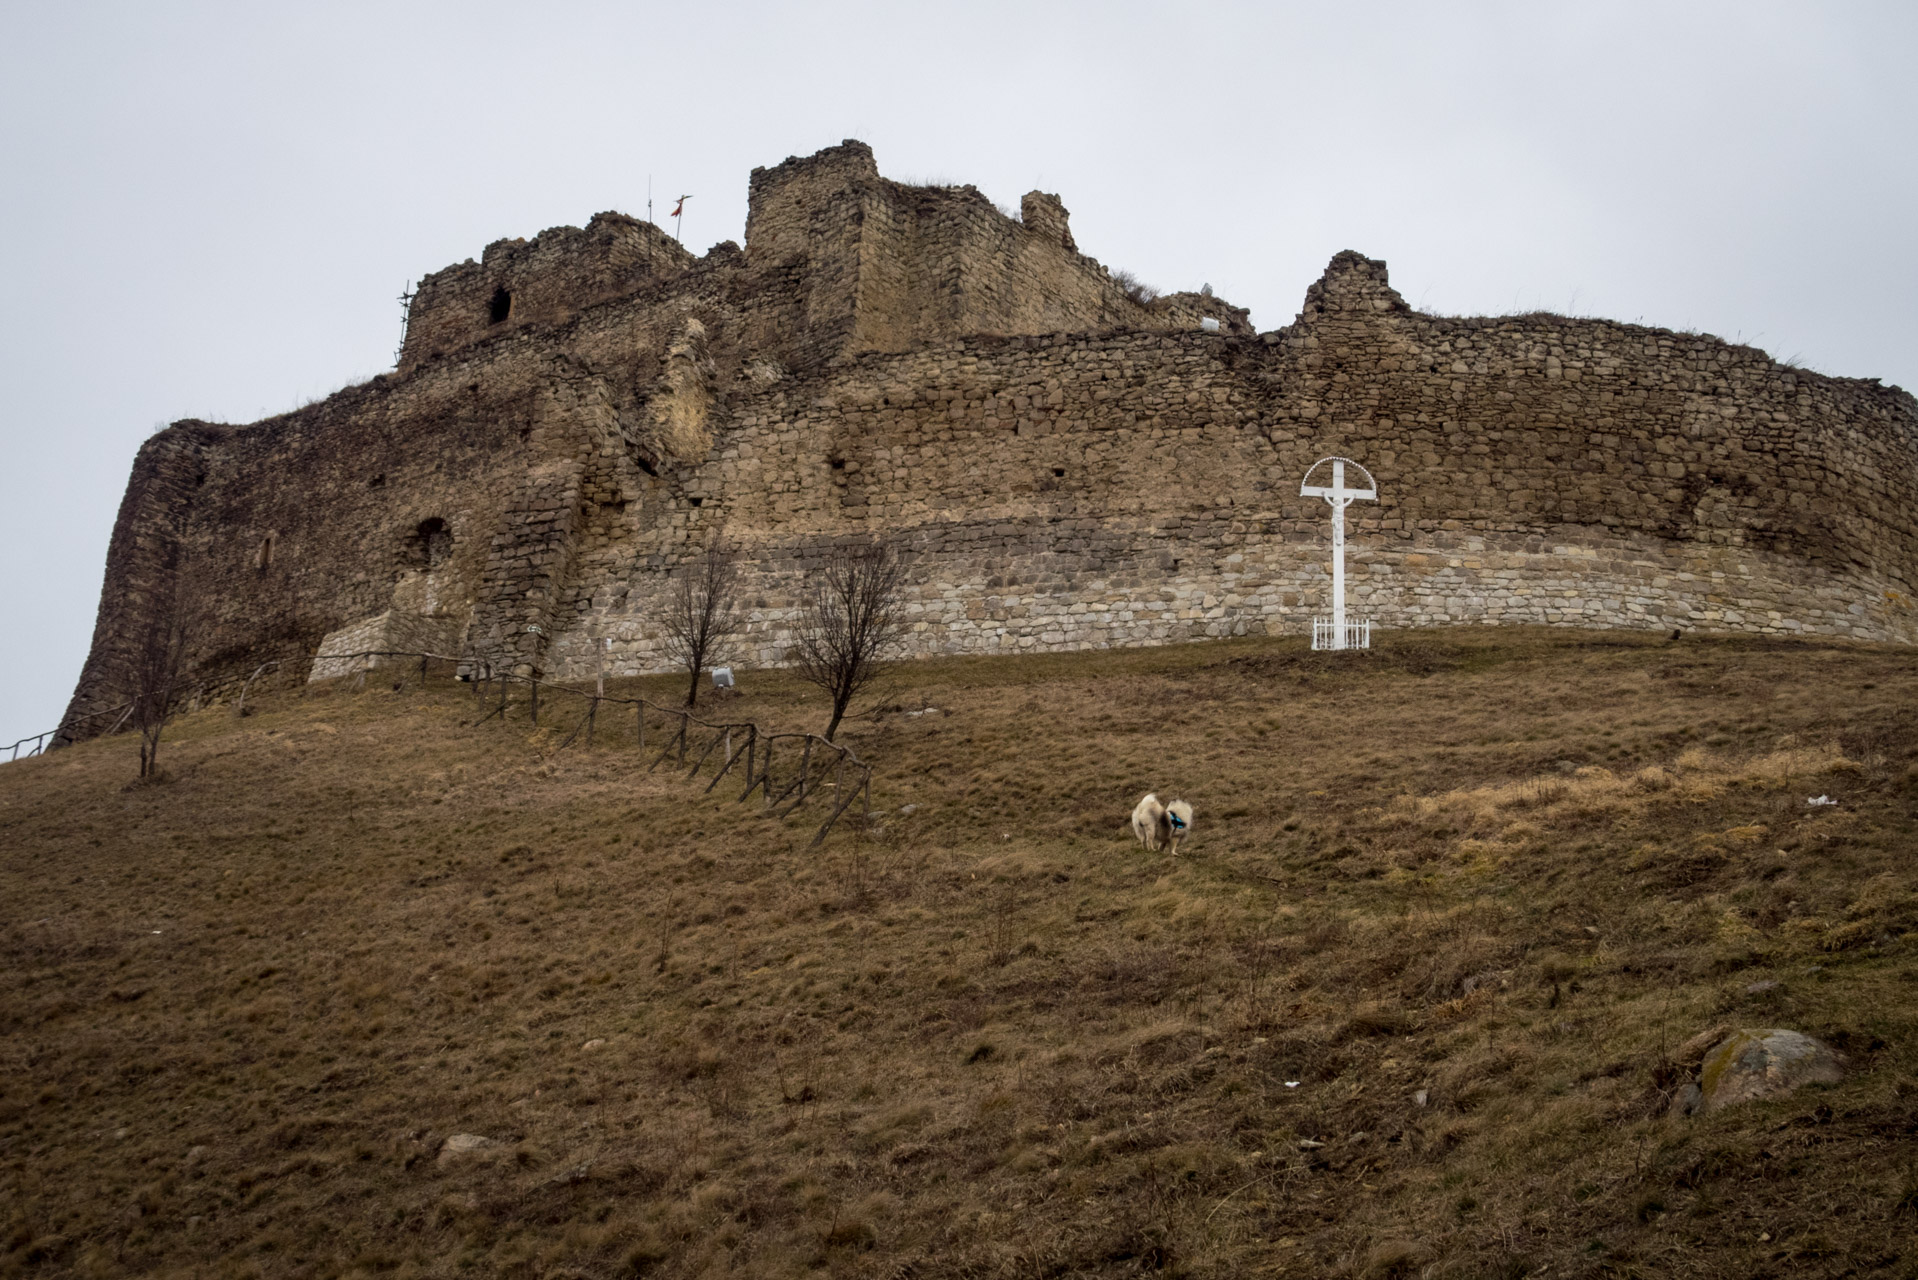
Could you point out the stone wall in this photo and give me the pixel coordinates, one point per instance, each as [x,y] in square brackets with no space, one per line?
[838,260]
[146,562]
[385,640]
[1067,492]
[870,364]
[548,280]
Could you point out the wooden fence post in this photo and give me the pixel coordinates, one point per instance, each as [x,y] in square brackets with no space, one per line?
[798,784]
[752,733]
[763,777]
[831,818]
[677,740]
[599,686]
[710,748]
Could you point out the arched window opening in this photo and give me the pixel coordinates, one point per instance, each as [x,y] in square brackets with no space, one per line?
[263,558]
[501,307]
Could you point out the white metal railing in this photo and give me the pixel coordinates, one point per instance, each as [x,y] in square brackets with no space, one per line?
[1325,634]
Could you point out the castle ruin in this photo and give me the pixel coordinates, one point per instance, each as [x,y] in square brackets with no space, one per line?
[1072,462]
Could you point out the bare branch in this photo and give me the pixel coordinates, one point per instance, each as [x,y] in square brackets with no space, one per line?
[851,616]
[702,614]
[156,671]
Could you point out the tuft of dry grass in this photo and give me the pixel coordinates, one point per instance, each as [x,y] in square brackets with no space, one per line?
[1412,1003]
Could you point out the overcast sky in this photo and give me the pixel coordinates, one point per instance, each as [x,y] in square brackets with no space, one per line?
[209,210]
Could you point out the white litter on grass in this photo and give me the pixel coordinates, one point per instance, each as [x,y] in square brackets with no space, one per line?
[1821,801]
[159,931]
[1291,1084]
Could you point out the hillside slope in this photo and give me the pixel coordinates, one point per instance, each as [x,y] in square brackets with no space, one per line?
[1412,1004]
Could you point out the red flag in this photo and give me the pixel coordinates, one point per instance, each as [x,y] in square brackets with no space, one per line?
[677,207]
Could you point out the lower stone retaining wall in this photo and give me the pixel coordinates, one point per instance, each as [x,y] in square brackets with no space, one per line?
[1274,580]
[392,632]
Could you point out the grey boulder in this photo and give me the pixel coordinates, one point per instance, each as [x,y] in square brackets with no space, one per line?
[1753,1064]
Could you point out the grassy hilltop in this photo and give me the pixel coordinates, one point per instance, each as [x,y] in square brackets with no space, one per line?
[1471,892]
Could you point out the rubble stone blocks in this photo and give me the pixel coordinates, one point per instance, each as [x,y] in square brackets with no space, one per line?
[383,638]
[1072,463]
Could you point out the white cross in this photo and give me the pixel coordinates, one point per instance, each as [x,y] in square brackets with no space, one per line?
[1338,497]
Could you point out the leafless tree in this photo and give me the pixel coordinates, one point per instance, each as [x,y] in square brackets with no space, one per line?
[156,671]
[851,614]
[702,611]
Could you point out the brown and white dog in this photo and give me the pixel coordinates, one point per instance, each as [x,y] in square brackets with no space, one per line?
[1161,825]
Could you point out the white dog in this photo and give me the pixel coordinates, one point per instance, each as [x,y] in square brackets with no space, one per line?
[1161,825]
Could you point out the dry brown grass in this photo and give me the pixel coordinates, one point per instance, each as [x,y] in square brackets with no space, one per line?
[1510,872]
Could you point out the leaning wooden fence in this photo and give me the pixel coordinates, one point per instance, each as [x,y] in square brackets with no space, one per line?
[764,761]
[59,731]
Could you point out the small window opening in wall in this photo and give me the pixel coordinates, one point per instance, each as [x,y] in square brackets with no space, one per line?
[264,558]
[1058,471]
[699,502]
[838,464]
[199,480]
[432,543]
[501,306]
[525,434]
[377,482]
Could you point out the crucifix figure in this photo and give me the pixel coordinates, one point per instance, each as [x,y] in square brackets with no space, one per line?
[1338,497]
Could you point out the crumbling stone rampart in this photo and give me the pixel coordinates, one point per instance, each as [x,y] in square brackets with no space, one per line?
[1072,466]
[519,283]
[1087,491]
